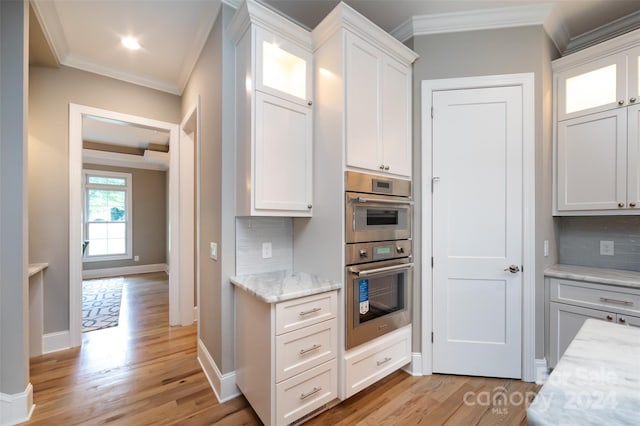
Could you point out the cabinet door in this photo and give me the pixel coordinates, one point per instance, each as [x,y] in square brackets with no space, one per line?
[363,79]
[283,68]
[565,322]
[282,166]
[396,117]
[591,162]
[633,157]
[633,76]
[596,86]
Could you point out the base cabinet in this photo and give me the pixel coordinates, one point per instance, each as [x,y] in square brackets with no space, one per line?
[571,303]
[372,361]
[286,363]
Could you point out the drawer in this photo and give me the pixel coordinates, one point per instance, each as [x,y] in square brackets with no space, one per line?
[372,361]
[305,311]
[591,295]
[306,392]
[305,348]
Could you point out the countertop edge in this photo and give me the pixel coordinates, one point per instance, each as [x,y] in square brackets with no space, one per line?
[290,295]
[616,277]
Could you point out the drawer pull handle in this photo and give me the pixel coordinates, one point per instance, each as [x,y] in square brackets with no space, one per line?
[384,361]
[619,302]
[311,392]
[310,311]
[312,348]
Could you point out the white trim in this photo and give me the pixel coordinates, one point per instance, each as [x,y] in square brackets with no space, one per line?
[472,20]
[151,160]
[526,80]
[16,408]
[76,113]
[195,313]
[123,270]
[415,366]
[542,371]
[58,341]
[223,385]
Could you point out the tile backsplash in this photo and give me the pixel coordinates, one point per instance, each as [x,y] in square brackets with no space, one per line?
[579,241]
[251,232]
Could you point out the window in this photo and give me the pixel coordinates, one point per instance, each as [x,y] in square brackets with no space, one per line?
[107,215]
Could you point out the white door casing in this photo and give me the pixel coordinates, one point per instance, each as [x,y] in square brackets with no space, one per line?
[477,231]
[525,352]
[76,113]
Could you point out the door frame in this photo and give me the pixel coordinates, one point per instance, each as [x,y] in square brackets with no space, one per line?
[76,112]
[526,82]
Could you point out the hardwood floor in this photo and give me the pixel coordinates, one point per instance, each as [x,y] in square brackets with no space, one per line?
[144,372]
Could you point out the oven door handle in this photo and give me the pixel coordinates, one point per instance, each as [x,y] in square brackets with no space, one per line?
[362,200]
[363,273]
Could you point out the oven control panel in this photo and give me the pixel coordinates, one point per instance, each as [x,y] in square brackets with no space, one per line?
[377,251]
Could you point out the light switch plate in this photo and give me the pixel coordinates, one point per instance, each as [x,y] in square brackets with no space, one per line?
[606,248]
[213,250]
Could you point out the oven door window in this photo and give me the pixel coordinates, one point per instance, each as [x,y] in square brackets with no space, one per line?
[371,218]
[379,295]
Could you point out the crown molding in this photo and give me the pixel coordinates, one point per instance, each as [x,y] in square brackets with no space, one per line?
[603,33]
[344,17]
[47,15]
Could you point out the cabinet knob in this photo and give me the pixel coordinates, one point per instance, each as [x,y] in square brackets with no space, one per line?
[309,206]
[381,166]
[632,204]
[621,320]
[310,103]
[609,317]
[386,167]
[621,102]
[620,204]
[632,100]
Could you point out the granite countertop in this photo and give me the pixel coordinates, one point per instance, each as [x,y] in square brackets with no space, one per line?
[273,287]
[596,382]
[597,275]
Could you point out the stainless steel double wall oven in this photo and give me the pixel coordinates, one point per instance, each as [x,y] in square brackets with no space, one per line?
[378,252]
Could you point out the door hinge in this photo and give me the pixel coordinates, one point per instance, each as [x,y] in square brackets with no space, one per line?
[431,112]
[521,268]
[432,261]
[432,337]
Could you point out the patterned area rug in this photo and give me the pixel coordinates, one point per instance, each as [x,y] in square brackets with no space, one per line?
[101,303]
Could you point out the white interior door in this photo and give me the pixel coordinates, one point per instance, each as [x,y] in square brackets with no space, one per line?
[477,231]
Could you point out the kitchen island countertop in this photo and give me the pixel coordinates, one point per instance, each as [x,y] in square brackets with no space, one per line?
[273,287]
[596,382]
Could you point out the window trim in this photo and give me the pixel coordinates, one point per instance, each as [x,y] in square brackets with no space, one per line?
[128,188]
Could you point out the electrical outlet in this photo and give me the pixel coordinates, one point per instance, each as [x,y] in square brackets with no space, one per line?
[606,248]
[136,258]
[213,250]
[266,250]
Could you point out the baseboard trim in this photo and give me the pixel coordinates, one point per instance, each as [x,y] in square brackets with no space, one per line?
[58,341]
[223,385]
[542,371]
[195,314]
[16,408]
[124,270]
[415,366]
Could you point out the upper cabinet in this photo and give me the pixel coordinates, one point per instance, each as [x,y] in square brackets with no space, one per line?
[274,115]
[375,95]
[378,109]
[597,138]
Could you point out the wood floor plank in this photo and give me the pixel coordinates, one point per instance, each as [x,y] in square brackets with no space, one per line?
[145,372]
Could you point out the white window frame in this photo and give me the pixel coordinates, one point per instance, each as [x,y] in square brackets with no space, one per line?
[128,188]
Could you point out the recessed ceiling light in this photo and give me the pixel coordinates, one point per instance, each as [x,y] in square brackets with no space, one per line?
[130,43]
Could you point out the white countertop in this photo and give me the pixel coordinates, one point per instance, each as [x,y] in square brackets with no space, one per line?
[273,287]
[34,268]
[596,275]
[596,382]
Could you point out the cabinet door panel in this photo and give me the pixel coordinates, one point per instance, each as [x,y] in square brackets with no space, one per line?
[363,77]
[565,322]
[633,157]
[396,117]
[633,77]
[591,161]
[282,169]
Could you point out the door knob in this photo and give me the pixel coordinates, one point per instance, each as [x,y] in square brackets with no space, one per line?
[514,269]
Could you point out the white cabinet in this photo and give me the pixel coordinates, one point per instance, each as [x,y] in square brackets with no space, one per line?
[573,302]
[378,109]
[597,160]
[286,355]
[274,115]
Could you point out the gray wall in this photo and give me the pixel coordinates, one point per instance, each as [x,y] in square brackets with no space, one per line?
[14,299]
[51,92]
[579,241]
[489,52]
[149,220]
[213,80]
